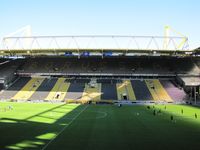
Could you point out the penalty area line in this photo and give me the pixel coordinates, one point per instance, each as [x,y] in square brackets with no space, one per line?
[64,128]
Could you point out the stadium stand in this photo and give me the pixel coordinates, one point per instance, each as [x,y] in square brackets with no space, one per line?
[175,93]
[141,90]
[109,91]
[97,79]
[7,69]
[14,88]
[129,89]
[92,92]
[59,90]
[53,89]
[27,91]
[42,92]
[125,91]
[75,90]
[157,91]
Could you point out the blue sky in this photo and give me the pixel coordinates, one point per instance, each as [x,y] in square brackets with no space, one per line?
[102,17]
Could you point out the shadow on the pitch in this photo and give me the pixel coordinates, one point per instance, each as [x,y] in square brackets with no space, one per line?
[36,131]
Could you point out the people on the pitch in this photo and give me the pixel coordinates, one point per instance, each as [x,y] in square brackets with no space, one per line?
[154,112]
[172,118]
[182,111]
[195,115]
[10,107]
[7,108]
[119,105]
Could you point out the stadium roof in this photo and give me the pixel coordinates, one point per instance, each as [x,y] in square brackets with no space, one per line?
[191,81]
[95,45]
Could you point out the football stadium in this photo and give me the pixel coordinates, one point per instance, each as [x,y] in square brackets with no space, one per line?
[94,92]
[93,97]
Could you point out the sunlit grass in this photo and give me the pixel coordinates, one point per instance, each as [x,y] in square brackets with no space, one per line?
[181,112]
[46,136]
[35,112]
[25,145]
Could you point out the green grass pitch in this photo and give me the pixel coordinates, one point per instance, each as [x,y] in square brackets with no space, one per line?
[98,127]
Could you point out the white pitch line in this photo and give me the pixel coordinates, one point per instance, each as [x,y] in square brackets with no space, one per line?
[64,128]
[103,116]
